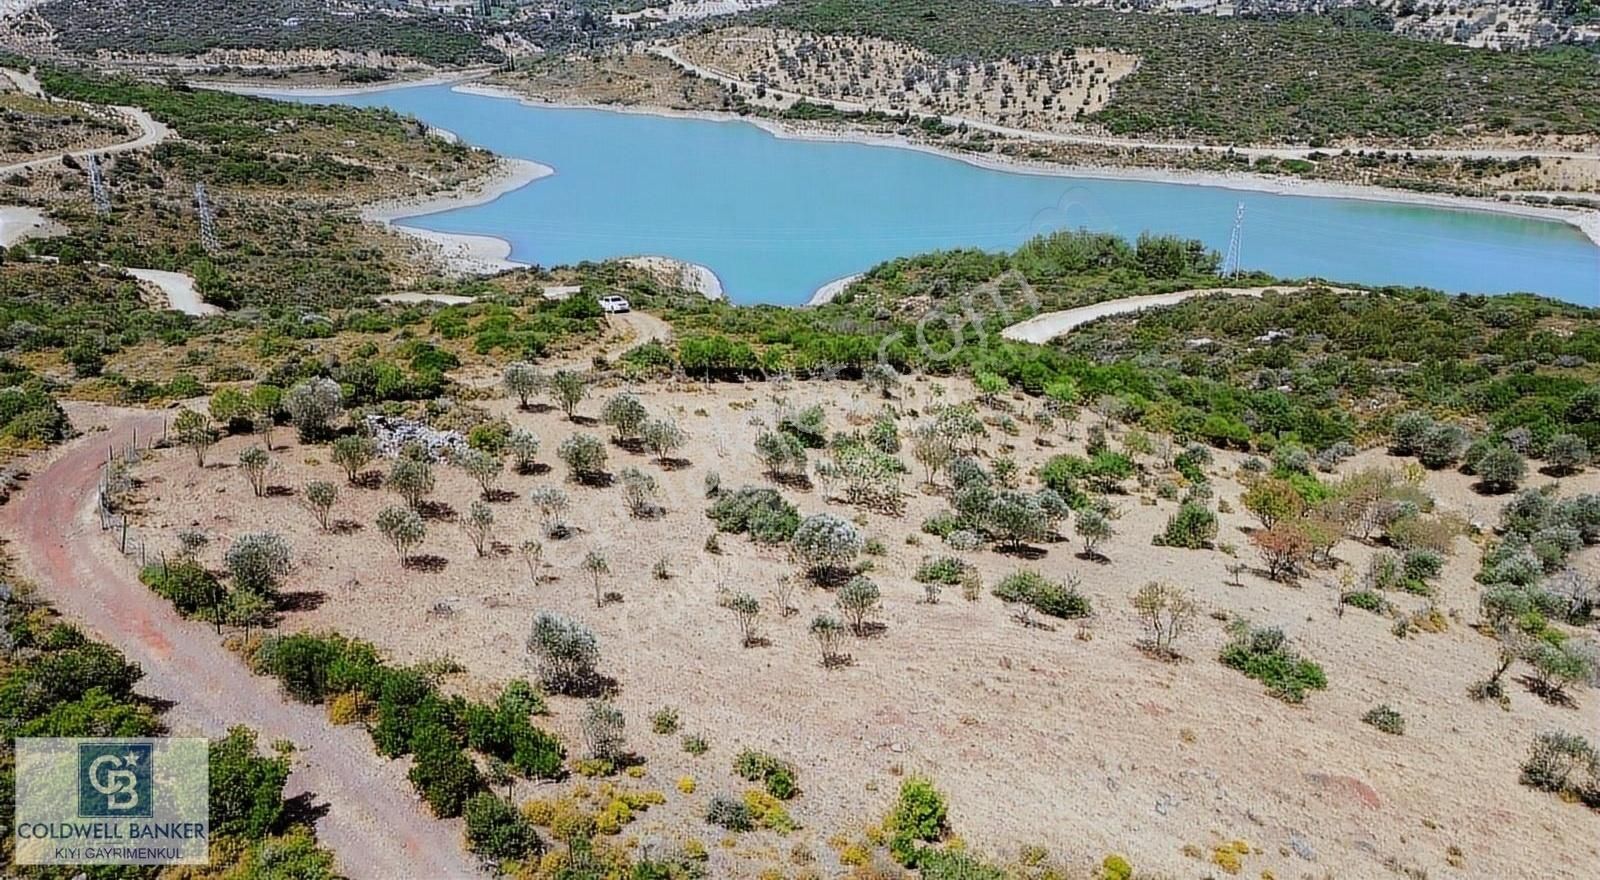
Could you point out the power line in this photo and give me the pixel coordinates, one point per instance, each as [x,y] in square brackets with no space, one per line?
[208,220]
[97,186]
[1230,263]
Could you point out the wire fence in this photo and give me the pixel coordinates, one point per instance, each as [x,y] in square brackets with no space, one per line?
[114,488]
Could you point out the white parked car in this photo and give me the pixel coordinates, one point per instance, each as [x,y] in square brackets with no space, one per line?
[613,304]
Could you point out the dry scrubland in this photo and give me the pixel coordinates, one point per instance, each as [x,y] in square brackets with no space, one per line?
[31,127]
[1069,738]
[1040,92]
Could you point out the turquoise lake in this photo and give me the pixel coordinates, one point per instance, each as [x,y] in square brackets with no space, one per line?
[777,218]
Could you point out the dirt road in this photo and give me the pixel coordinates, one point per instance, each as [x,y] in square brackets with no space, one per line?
[374,822]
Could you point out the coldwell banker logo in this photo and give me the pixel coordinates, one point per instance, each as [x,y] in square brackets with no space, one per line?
[134,801]
[116,780]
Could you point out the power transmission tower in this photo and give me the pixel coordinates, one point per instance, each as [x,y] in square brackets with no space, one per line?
[1230,263]
[208,220]
[97,186]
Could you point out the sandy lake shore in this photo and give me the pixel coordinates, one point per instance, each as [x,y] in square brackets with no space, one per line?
[463,254]
[1586,221]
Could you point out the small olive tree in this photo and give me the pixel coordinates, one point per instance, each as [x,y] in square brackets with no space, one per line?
[404,528]
[411,479]
[1167,613]
[746,612]
[597,566]
[194,431]
[523,380]
[553,505]
[858,601]
[352,454]
[825,546]
[479,526]
[625,414]
[569,388]
[312,406]
[320,496]
[254,464]
[829,633]
[524,447]
[564,654]
[585,458]
[484,468]
[663,437]
[258,562]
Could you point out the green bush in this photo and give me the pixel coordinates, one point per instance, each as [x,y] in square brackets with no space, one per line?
[1054,598]
[919,817]
[188,585]
[1193,527]
[1265,655]
[762,512]
[442,773]
[1386,719]
[497,830]
[775,774]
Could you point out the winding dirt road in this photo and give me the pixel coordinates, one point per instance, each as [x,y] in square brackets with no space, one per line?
[1040,329]
[375,824]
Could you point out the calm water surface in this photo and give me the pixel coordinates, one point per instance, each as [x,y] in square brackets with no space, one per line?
[777,218]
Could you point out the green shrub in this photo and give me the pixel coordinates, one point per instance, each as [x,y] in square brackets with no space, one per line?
[1054,598]
[1386,719]
[918,817]
[1265,655]
[775,774]
[1193,527]
[497,830]
[188,585]
[762,512]
[443,774]
[729,813]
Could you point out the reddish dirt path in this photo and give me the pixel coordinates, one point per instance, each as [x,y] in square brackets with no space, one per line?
[374,822]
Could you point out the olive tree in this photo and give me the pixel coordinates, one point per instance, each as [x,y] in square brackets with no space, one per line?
[663,437]
[553,505]
[352,454]
[1500,469]
[932,449]
[782,453]
[564,653]
[746,611]
[524,447]
[479,525]
[603,726]
[569,388]
[585,458]
[829,633]
[1094,528]
[523,380]
[1167,613]
[825,545]
[254,464]
[320,496]
[266,407]
[1566,454]
[640,491]
[857,601]
[404,528]
[194,431]
[597,566]
[258,562]
[625,414]
[484,468]
[312,406]
[411,479]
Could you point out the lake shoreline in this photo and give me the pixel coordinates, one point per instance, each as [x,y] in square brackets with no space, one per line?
[1586,222]
[462,253]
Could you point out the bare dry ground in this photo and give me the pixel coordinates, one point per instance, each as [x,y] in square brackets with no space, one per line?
[1071,739]
[1042,93]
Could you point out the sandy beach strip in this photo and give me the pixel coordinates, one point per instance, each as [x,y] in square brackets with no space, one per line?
[826,293]
[1586,221]
[461,253]
[265,88]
